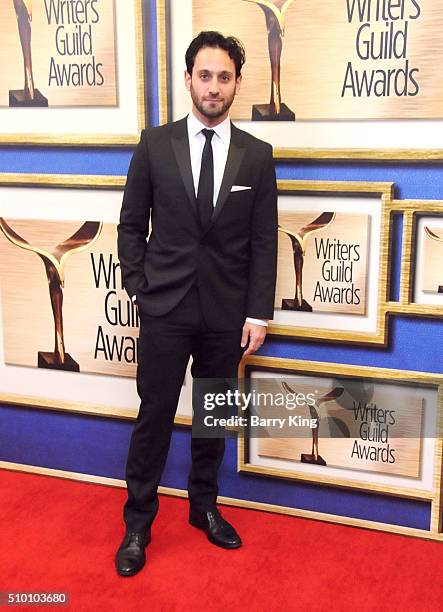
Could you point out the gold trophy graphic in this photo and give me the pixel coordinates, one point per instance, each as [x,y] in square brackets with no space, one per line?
[433,236]
[55,262]
[29,95]
[333,423]
[275,14]
[298,240]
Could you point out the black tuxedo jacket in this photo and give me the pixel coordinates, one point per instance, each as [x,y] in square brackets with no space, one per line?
[232,261]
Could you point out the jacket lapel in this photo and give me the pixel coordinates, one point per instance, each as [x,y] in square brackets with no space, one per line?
[235,156]
[180,145]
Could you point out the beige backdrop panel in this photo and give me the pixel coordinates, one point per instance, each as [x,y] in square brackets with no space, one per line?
[44,47]
[347,229]
[27,315]
[317,46]
[432,260]
[400,455]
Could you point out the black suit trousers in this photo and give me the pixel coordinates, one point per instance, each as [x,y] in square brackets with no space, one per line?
[165,345]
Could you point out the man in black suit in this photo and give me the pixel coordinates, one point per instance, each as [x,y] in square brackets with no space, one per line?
[204,282]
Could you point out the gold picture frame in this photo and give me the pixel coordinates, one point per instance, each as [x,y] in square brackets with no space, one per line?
[381,194]
[320,140]
[130,113]
[37,395]
[298,367]
[162,62]
[412,211]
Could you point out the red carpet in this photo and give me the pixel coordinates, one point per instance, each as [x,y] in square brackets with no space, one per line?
[59,535]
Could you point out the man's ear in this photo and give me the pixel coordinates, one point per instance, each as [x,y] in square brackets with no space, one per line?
[188,79]
[238,83]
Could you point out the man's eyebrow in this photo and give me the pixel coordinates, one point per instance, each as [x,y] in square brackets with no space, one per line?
[222,72]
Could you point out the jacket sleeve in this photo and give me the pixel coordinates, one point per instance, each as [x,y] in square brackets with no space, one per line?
[134,218]
[263,244]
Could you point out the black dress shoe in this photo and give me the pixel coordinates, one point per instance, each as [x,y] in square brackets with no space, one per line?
[219,531]
[131,556]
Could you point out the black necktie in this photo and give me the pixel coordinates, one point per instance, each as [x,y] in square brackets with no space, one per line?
[205,191]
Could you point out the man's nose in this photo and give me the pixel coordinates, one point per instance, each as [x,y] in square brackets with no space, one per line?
[214,87]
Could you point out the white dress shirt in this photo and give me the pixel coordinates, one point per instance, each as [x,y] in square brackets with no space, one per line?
[220,146]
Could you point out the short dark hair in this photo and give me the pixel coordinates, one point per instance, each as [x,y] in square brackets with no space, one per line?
[230,44]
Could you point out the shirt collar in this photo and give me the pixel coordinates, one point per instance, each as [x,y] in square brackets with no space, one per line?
[223,129]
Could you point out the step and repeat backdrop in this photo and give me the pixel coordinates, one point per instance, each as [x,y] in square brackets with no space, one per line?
[341,79]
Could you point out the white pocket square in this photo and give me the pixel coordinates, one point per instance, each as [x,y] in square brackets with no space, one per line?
[239,188]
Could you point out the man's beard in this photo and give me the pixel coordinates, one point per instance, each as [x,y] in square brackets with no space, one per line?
[211,113]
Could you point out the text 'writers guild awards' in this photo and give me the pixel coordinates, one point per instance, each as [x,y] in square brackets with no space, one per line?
[275,14]
[298,240]
[29,95]
[433,236]
[55,262]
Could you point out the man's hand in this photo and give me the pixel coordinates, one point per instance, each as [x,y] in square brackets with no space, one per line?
[255,334]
